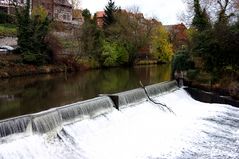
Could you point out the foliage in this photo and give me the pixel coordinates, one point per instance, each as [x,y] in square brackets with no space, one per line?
[192,74]
[132,31]
[110,10]
[86,14]
[200,20]
[89,37]
[7,18]
[217,45]
[31,33]
[113,54]
[161,48]
[182,62]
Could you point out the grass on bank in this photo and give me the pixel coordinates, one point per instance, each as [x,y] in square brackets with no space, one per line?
[8,30]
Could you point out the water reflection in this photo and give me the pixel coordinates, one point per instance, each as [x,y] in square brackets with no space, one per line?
[25,95]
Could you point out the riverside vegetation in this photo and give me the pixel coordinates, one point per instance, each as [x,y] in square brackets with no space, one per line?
[211,57]
[117,43]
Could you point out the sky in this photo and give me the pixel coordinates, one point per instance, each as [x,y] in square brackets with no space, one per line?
[166,11]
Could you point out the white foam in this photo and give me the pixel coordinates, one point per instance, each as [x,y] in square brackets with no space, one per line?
[198,130]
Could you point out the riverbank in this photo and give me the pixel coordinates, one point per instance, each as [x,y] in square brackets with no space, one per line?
[11,66]
[230,89]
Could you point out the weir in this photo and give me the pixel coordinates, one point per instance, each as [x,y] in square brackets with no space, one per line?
[94,129]
[160,88]
[132,97]
[14,125]
[54,119]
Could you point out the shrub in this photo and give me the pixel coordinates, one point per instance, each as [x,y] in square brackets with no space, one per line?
[31,32]
[114,54]
[192,74]
[182,62]
[7,18]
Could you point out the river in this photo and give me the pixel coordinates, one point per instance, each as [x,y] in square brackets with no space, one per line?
[24,95]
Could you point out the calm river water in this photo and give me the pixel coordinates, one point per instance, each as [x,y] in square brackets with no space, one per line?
[26,95]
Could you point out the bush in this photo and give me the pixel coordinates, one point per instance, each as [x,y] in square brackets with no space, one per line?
[7,18]
[114,54]
[192,74]
[182,62]
[31,32]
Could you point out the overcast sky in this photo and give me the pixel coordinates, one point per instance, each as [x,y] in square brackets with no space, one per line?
[166,11]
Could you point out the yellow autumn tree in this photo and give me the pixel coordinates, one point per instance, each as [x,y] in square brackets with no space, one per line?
[40,12]
[161,48]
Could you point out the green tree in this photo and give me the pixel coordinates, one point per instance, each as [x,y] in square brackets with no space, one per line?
[31,33]
[89,37]
[216,45]
[113,54]
[132,30]
[161,48]
[201,19]
[182,62]
[86,14]
[110,10]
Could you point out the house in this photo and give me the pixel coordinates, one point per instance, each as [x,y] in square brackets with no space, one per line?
[59,10]
[100,18]
[178,35]
[77,18]
[62,11]
[7,7]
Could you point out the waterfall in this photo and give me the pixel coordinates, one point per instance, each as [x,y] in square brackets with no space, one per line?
[53,120]
[160,88]
[14,125]
[86,109]
[93,129]
[131,97]
[139,95]
[47,121]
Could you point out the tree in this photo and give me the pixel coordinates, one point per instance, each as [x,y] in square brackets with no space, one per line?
[31,32]
[212,7]
[216,45]
[110,10]
[161,48]
[201,19]
[89,37]
[132,30]
[86,14]
[113,54]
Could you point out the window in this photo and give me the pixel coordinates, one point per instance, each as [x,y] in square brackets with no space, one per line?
[64,17]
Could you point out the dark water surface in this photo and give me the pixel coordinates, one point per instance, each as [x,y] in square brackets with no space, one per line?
[26,95]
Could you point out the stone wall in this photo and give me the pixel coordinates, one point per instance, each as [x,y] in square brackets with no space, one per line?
[11,41]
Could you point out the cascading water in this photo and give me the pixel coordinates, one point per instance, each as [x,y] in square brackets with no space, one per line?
[159,88]
[131,97]
[197,130]
[13,126]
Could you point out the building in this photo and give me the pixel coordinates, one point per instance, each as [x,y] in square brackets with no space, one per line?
[100,18]
[7,7]
[62,11]
[59,10]
[77,18]
[178,35]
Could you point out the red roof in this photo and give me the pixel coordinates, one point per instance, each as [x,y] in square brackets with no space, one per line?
[100,14]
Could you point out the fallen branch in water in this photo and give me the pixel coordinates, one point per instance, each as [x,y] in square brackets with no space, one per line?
[163,105]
